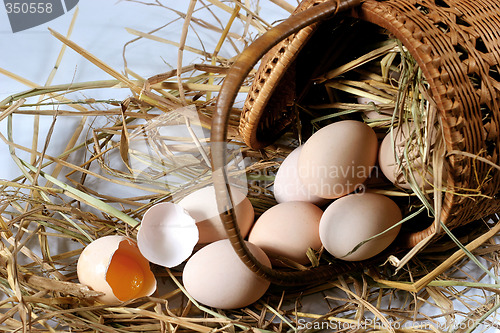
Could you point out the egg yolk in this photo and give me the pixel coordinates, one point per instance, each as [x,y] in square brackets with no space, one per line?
[125,276]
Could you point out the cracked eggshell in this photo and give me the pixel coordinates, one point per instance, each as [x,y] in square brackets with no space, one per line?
[202,206]
[167,234]
[216,276]
[104,259]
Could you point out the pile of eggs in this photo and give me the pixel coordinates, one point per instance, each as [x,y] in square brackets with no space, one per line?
[329,170]
[169,233]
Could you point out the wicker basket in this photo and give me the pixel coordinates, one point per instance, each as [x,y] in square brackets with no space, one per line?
[456,43]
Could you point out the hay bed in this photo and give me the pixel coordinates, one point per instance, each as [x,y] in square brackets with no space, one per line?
[435,291]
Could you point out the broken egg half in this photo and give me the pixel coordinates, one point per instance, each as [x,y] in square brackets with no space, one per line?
[115,266]
[167,235]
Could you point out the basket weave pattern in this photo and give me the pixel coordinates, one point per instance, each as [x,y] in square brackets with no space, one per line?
[456,43]
[274,88]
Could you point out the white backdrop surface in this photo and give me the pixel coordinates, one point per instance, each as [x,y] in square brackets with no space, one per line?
[100,29]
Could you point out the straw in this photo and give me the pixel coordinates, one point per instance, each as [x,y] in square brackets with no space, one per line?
[38,279]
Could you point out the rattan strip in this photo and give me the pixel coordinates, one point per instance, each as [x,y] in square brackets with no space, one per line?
[271,71]
[446,37]
[484,25]
[457,99]
[234,78]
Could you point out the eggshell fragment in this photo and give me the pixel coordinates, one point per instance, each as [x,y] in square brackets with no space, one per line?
[393,146]
[287,184]
[202,206]
[167,235]
[353,219]
[215,276]
[113,265]
[288,229]
[338,158]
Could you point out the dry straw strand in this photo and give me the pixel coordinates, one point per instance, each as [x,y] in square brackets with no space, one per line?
[43,292]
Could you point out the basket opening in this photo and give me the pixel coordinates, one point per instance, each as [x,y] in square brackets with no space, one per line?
[456,51]
[324,97]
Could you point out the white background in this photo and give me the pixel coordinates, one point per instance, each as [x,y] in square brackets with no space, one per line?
[100,29]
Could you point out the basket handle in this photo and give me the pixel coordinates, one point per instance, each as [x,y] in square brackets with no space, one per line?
[234,79]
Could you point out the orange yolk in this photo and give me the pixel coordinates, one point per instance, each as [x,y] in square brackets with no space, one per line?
[125,276]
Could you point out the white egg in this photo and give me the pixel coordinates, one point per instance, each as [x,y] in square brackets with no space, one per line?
[202,206]
[167,234]
[113,265]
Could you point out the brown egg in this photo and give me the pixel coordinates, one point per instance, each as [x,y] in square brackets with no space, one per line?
[202,206]
[215,276]
[389,165]
[287,184]
[338,158]
[350,220]
[288,230]
[383,113]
